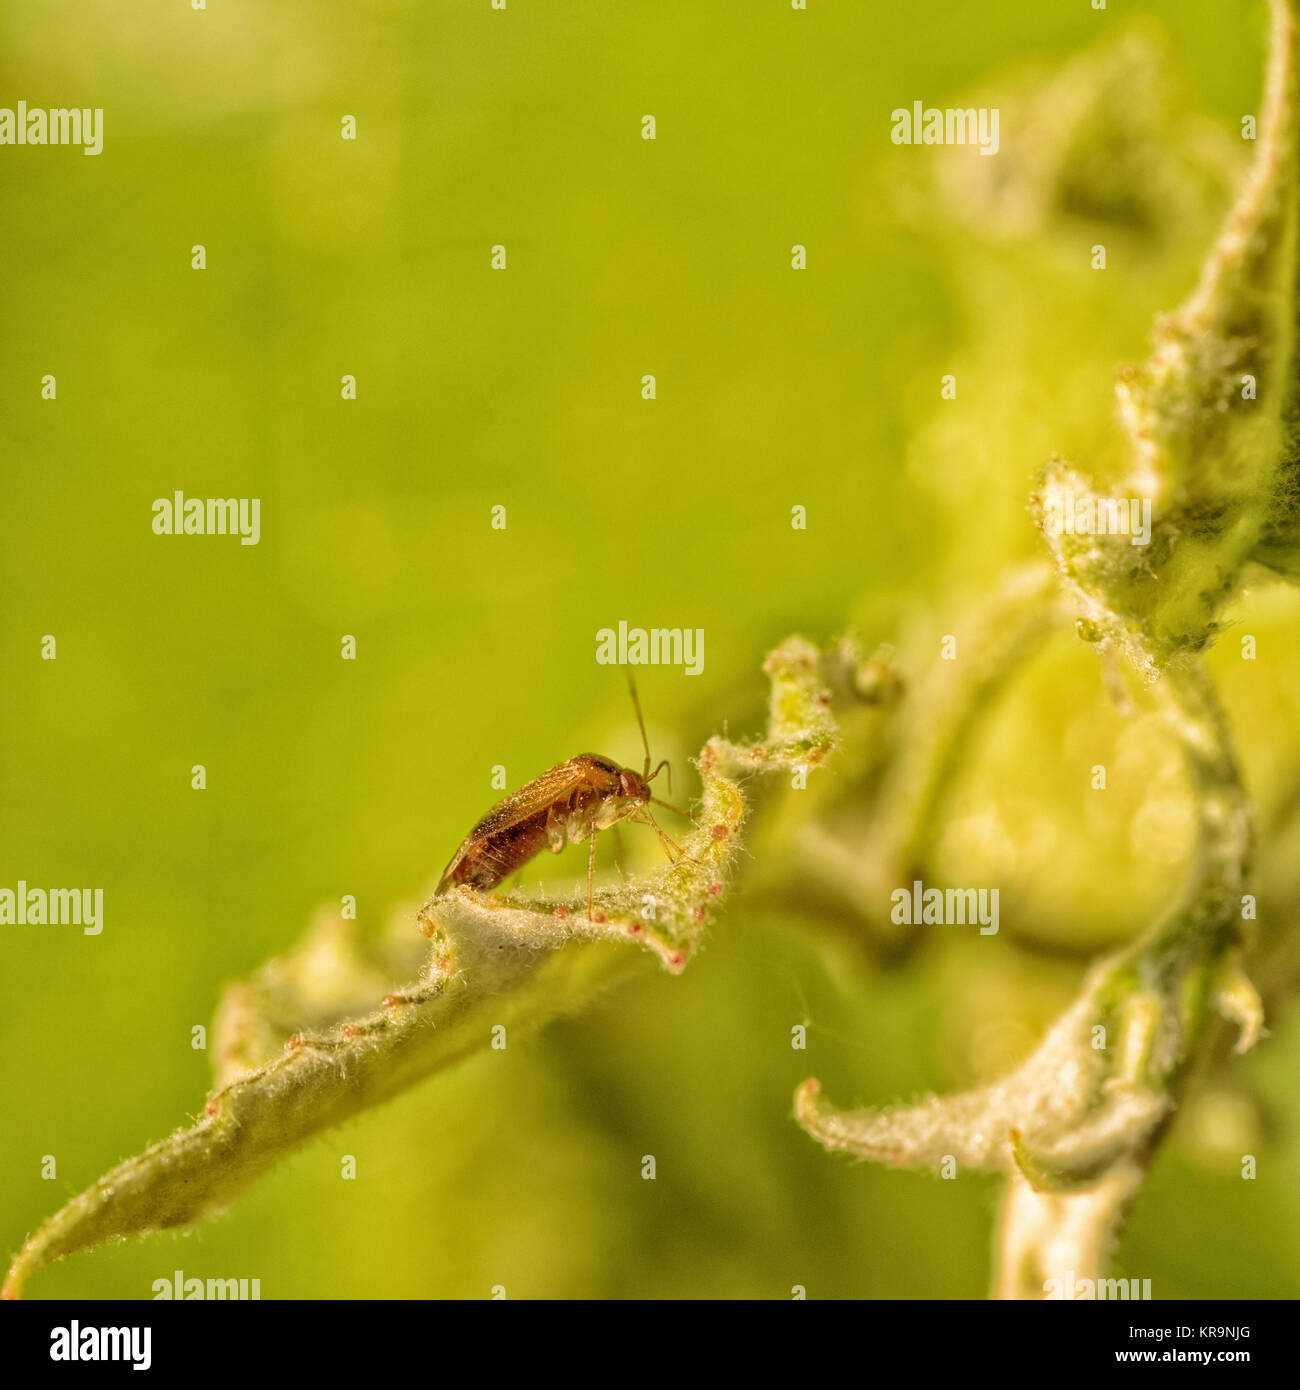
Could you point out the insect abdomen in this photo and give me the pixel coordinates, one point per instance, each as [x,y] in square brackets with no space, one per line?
[485,861]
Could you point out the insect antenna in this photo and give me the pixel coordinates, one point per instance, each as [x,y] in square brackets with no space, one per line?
[636,705]
[649,776]
[658,770]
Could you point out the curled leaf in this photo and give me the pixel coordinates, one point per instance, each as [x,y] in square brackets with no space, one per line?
[1078,1117]
[1103,140]
[1239,1001]
[1055,1102]
[310,1041]
[1212,482]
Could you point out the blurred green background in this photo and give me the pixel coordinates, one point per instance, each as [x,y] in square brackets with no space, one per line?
[476,647]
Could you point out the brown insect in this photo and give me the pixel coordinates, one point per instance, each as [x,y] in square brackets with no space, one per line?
[568,804]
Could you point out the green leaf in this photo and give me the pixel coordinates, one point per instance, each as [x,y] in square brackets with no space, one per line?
[293,1058]
[1211,421]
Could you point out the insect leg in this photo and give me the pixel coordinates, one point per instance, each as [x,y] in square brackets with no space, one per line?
[676,810]
[618,851]
[664,840]
[591,876]
[556,816]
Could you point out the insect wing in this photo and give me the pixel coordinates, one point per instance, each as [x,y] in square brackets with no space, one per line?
[556,784]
